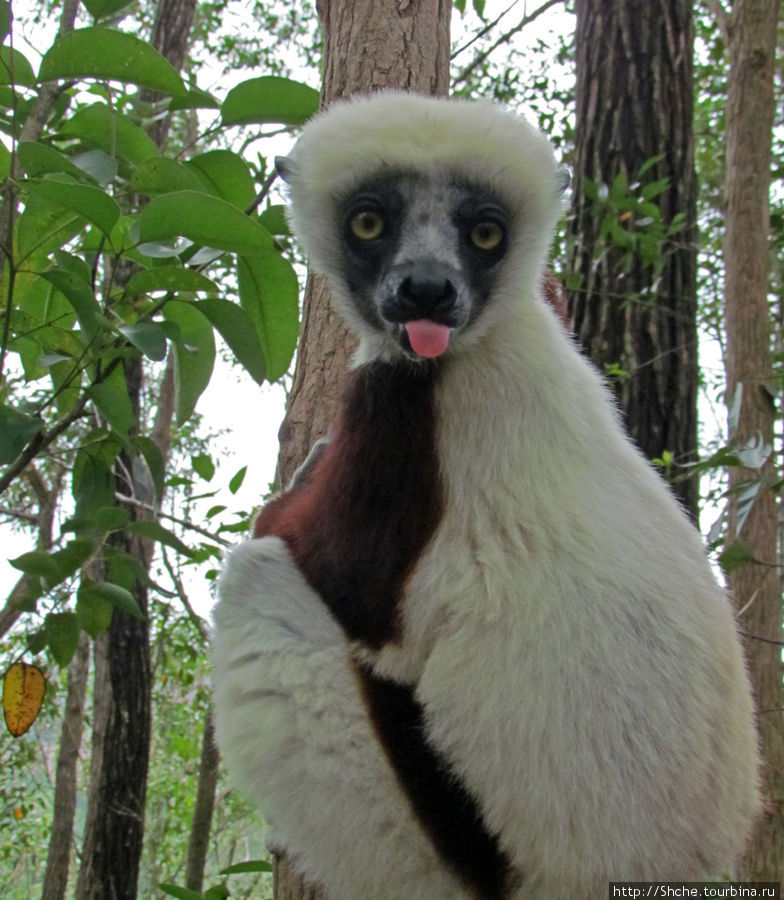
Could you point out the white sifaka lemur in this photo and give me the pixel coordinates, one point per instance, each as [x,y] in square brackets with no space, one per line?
[476,649]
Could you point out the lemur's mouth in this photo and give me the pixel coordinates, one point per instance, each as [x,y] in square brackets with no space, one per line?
[427,338]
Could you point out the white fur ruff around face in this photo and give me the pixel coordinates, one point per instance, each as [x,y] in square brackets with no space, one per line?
[554,650]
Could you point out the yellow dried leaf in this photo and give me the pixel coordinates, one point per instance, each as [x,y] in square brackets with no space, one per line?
[24,687]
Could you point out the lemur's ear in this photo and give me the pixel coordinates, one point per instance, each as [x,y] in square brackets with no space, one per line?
[563,175]
[285,167]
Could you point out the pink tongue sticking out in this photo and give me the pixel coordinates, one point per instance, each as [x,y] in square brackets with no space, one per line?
[427,338]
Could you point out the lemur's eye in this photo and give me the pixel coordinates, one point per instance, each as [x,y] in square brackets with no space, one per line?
[367,225]
[486,235]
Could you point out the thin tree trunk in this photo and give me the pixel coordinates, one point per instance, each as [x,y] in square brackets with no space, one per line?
[61,838]
[751,30]
[368,45]
[637,319]
[114,829]
[205,805]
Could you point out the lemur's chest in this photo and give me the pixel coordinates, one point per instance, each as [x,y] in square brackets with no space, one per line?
[365,515]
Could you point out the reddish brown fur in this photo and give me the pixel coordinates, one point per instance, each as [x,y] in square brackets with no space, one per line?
[359,521]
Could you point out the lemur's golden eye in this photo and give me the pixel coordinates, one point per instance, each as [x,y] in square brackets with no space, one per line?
[367,225]
[486,235]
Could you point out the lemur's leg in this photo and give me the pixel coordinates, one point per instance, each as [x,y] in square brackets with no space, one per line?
[297,739]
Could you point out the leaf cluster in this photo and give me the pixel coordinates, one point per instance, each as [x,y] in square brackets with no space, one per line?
[117,256]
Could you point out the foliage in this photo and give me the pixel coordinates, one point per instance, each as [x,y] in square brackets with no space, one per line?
[120,260]
[108,262]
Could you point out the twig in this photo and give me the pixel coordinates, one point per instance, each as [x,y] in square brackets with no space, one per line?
[132,501]
[505,37]
[721,16]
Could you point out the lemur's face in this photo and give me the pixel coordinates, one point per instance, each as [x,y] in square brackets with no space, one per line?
[420,255]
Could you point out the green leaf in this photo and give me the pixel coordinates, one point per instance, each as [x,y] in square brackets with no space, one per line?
[269,99]
[70,558]
[80,295]
[100,9]
[156,532]
[14,68]
[113,133]
[649,164]
[170,279]
[654,188]
[112,518]
[203,466]
[226,175]
[155,462]
[195,98]
[111,398]
[62,634]
[252,865]
[97,165]
[162,175]
[17,429]
[109,54]
[5,19]
[269,294]
[736,555]
[274,220]
[238,330]
[180,893]
[147,337]
[40,159]
[92,203]
[94,612]
[38,563]
[217,892]
[237,479]
[92,482]
[73,264]
[208,221]
[118,596]
[44,227]
[194,356]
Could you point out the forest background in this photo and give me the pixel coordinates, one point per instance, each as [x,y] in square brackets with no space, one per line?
[140,238]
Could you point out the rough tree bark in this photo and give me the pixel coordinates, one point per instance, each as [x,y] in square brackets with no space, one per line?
[368,45]
[114,828]
[634,104]
[750,31]
[58,856]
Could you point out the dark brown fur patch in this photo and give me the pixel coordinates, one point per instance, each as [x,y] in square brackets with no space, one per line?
[361,519]
[448,812]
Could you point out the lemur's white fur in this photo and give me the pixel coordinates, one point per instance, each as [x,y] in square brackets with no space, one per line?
[576,660]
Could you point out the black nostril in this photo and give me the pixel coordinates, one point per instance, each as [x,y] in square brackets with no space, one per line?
[426,290]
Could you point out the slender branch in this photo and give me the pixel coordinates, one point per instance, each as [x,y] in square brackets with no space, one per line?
[40,442]
[759,637]
[722,17]
[197,620]
[483,31]
[147,507]
[505,38]
[265,189]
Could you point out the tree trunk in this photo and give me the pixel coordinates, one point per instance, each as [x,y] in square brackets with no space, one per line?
[205,804]
[368,45]
[634,306]
[751,30]
[114,828]
[58,856]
